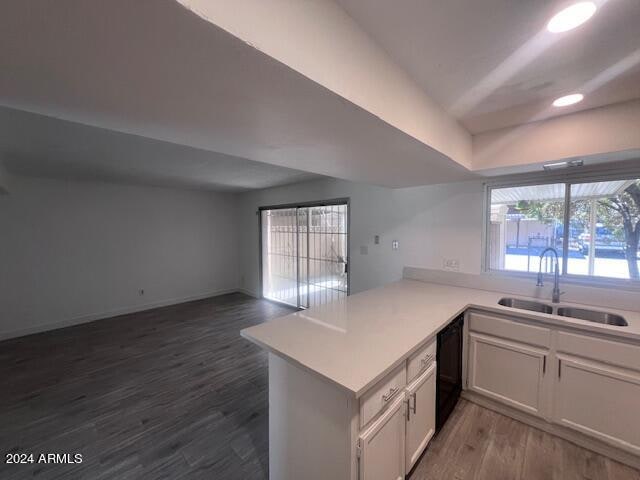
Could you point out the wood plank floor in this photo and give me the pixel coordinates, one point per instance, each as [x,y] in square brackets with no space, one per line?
[168,393]
[175,393]
[480,444]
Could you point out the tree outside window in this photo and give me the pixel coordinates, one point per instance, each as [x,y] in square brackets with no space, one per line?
[603,231]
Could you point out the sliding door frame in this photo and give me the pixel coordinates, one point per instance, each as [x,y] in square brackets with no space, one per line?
[316,203]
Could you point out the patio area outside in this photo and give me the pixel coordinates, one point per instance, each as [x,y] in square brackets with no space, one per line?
[603,231]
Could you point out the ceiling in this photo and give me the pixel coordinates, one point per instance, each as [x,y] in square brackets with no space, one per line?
[36,145]
[85,92]
[492,64]
[180,79]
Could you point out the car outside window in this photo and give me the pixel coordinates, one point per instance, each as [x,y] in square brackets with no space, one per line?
[602,238]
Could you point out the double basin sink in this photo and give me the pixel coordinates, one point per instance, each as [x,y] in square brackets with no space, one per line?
[580,313]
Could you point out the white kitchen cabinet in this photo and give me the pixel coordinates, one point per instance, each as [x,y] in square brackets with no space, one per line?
[382,445]
[586,386]
[599,400]
[508,372]
[421,415]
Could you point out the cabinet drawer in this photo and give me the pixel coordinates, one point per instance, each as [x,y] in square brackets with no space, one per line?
[612,352]
[420,361]
[510,329]
[382,394]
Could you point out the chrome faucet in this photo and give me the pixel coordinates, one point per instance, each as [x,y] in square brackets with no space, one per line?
[555,298]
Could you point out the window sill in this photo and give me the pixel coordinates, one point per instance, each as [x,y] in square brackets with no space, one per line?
[595,282]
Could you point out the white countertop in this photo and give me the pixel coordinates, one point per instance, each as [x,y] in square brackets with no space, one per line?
[355,342]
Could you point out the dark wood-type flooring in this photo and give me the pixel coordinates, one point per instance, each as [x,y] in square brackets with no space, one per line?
[170,393]
[176,393]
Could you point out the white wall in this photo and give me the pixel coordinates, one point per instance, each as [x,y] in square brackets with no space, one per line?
[73,252]
[76,251]
[431,223]
[598,131]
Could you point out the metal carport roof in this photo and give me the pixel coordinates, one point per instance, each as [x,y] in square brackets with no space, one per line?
[555,191]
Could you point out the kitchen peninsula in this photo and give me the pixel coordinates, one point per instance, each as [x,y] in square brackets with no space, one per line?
[341,377]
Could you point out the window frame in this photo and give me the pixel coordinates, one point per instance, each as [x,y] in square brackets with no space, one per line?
[567,177]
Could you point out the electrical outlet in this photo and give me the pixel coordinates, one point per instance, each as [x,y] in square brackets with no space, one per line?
[395,245]
[376,239]
[451,264]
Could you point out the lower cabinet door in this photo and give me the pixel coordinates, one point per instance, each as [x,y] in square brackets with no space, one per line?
[600,401]
[382,445]
[421,415]
[508,372]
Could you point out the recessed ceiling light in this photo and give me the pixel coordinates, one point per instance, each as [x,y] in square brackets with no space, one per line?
[571,17]
[568,100]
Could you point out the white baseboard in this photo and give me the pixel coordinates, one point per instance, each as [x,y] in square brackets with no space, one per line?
[7,334]
[248,292]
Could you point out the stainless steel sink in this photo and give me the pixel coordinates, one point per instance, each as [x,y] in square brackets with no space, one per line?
[593,316]
[525,305]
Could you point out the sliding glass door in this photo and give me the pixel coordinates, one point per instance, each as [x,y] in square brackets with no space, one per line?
[305,253]
[324,254]
[280,255]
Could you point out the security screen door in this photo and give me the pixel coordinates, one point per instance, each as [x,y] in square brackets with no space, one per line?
[305,253]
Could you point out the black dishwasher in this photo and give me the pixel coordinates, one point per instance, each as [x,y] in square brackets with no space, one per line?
[449,357]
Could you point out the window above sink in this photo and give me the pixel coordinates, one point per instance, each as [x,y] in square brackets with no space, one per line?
[592,221]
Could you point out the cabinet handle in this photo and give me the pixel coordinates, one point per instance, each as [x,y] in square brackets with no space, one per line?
[544,365]
[415,403]
[559,368]
[388,396]
[408,410]
[426,360]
